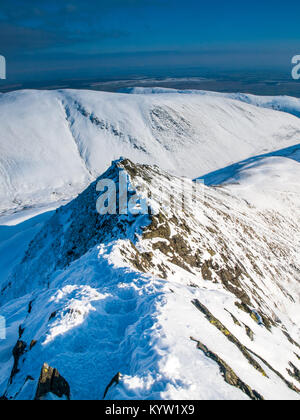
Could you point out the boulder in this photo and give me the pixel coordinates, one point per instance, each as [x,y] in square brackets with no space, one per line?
[51,382]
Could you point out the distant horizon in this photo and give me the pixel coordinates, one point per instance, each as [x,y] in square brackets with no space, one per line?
[262,83]
[49,42]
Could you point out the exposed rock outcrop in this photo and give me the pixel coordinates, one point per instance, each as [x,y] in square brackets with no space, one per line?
[51,381]
[115,381]
[229,375]
[18,351]
[214,321]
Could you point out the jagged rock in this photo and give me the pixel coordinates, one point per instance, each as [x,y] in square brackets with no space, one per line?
[18,351]
[214,321]
[52,382]
[52,316]
[115,381]
[32,344]
[291,340]
[244,350]
[206,270]
[295,372]
[229,375]
[258,317]
[249,332]
[154,245]
[235,320]
[30,306]
[288,384]
[21,331]
[230,277]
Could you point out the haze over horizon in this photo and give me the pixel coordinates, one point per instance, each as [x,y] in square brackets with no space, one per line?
[52,41]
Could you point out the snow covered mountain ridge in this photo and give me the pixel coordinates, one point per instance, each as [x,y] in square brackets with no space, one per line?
[53,144]
[200,302]
[173,296]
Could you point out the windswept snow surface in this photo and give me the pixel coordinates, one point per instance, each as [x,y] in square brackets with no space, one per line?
[54,143]
[269,181]
[286,104]
[115,293]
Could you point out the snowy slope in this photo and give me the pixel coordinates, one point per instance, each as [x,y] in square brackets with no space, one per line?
[14,241]
[268,181]
[286,104]
[53,144]
[170,300]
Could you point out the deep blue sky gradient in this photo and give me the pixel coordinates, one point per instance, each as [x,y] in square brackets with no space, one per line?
[44,39]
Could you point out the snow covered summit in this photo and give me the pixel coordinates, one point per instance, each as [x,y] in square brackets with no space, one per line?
[53,144]
[193,302]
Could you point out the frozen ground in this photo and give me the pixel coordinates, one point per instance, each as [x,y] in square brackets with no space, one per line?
[54,143]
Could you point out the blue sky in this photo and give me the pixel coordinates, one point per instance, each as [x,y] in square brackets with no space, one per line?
[88,38]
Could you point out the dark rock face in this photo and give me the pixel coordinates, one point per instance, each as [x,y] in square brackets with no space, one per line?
[52,382]
[229,375]
[295,372]
[18,351]
[214,321]
[115,381]
[86,229]
[32,344]
[249,332]
[21,331]
[187,249]
[291,340]
[244,350]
